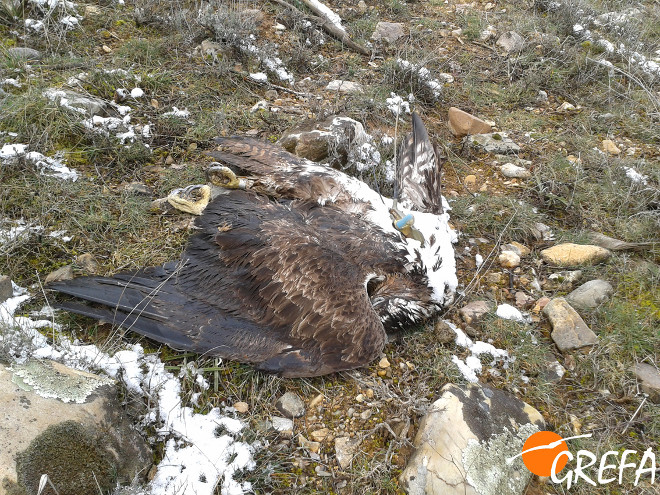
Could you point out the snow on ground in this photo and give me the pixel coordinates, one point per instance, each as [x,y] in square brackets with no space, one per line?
[10,154]
[201,450]
[635,176]
[329,14]
[472,367]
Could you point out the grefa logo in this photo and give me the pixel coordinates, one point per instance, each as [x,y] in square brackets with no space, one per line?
[545,454]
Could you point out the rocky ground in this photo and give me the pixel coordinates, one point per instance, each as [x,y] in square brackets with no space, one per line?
[547,113]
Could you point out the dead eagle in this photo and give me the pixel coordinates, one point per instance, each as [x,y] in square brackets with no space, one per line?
[297,268]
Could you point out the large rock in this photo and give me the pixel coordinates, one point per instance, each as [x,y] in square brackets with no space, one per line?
[464,441]
[569,254]
[388,31]
[649,376]
[77,102]
[590,295]
[462,123]
[569,331]
[68,424]
[494,142]
[344,86]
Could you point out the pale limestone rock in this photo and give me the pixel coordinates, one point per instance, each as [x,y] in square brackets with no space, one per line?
[344,86]
[470,181]
[569,331]
[609,147]
[518,248]
[649,376]
[514,171]
[494,142]
[24,53]
[345,450]
[241,407]
[462,123]
[87,262]
[509,259]
[464,440]
[590,295]
[569,254]
[388,31]
[63,273]
[313,447]
[319,435]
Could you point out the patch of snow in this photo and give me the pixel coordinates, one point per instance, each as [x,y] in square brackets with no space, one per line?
[471,367]
[201,450]
[635,176]
[259,76]
[11,82]
[479,260]
[425,77]
[175,112]
[329,14]
[508,312]
[11,152]
[396,104]
[52,167]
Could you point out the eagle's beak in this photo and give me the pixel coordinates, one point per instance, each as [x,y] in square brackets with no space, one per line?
[222,176]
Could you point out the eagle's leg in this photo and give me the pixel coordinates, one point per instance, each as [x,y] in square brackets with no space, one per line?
[192,199]
[222,176]
[405,225]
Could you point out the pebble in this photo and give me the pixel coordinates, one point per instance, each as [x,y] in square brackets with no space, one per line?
[320,434]
[609,147]
[514,171]
[283,425]
[241,407]
[649,376]
[462,123]
[308,444]
[509,259]
[383,363]
[6,288]
[290,405]
[63,273]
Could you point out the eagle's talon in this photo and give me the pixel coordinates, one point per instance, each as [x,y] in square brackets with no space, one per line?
[222,176]
[191,199]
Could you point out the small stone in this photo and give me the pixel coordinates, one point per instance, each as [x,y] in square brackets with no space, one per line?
[590,295]
[495,142]
[443,332]
[540,304]
[569,331]
[241,407]
[514,171]
[542,97]
[384,363]
[470,181]
[87,262]
[345,449]
[369,393]
[566,277]
[609,147]
[520,249]
[566,107]
[313,447]
[509,259]
[362,7]
[316,401]
[365,415]
[283,425]
[487,34]
[511,42]
[271,94]
[382,373]
[388,31]
[649,376]
[344,86]
[6,289]
[63,273]
[24,53]
[475,311]
[523,300]
[106,49]
[462,123]
[569,254]
[319,435]
[290,405]
[137,188]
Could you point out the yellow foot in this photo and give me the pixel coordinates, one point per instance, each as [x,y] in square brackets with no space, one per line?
[192,199]
[222,176]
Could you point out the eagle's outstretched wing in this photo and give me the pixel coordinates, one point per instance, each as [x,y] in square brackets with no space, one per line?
[419,171]
[280,285]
